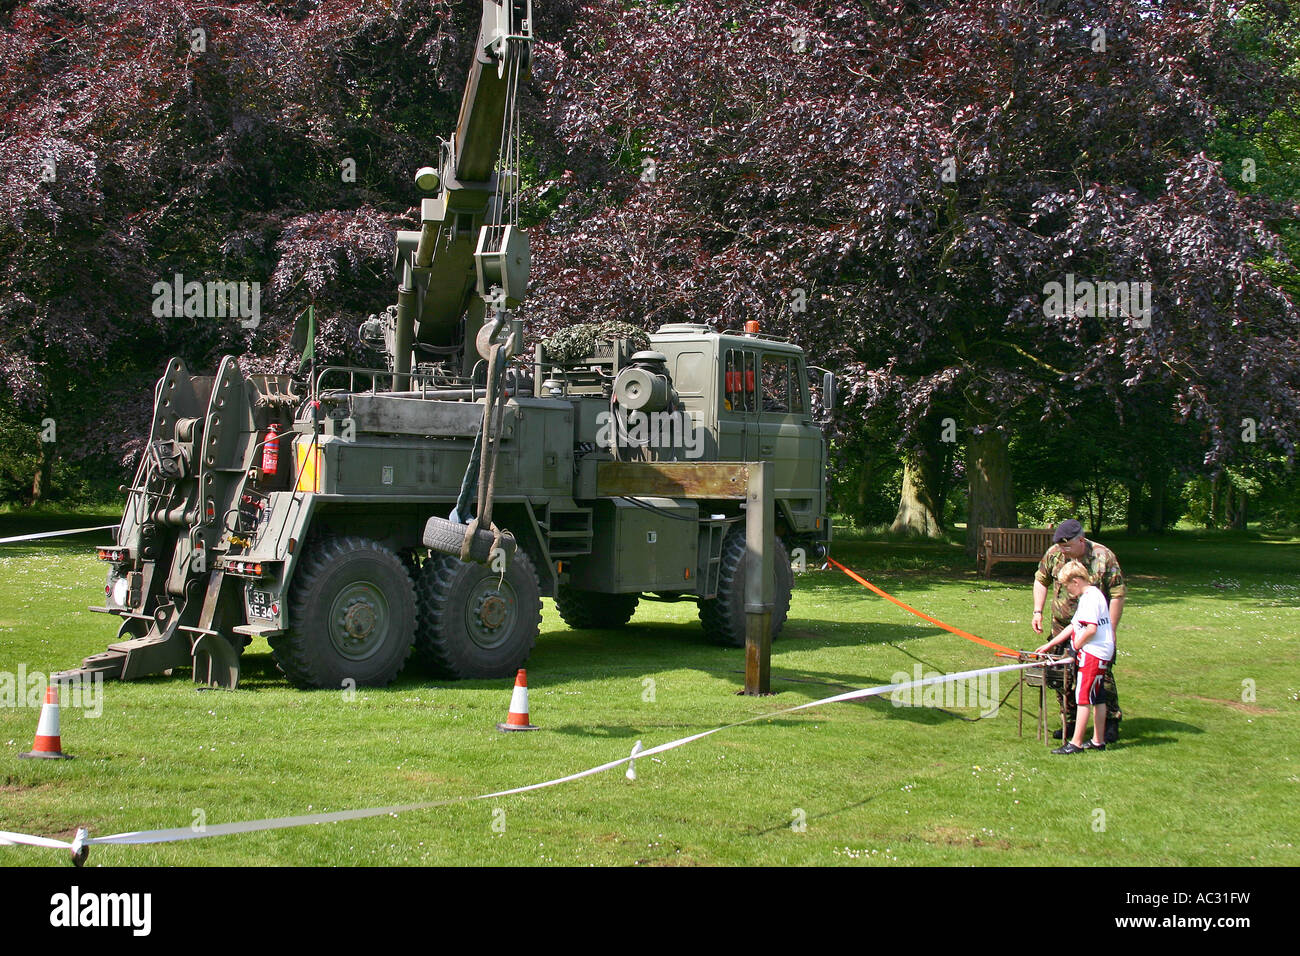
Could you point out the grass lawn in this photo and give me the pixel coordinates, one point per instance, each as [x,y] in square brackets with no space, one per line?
[1201,777]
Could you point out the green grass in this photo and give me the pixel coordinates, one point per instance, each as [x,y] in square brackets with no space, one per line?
[1201,777]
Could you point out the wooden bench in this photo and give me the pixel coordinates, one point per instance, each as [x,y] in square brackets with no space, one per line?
[1011,544]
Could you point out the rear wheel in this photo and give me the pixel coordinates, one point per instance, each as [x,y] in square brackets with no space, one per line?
[589,609]
[351,616]
[476,622]
[723,616]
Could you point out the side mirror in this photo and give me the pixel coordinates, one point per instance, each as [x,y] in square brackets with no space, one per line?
[828,391]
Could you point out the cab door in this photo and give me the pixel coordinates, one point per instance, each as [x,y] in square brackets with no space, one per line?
[738,419]
[788,438]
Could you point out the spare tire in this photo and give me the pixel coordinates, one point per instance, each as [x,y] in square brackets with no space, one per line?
[449,537]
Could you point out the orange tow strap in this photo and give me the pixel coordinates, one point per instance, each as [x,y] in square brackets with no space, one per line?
[935,621]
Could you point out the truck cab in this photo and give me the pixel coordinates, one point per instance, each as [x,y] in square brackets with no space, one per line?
[748,392]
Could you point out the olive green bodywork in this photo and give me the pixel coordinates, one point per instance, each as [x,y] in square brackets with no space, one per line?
[204,570]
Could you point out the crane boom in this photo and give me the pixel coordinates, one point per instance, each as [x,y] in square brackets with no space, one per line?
[469,255]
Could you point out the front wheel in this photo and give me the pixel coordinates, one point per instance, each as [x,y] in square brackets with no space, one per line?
[476,622]
[723,616]
[351,616]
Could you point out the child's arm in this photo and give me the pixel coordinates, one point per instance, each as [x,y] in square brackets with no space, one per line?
[1083,636]
[1055,641]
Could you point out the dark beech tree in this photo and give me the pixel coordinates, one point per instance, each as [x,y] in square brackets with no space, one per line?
[256,142]
[892,184]
[896,186]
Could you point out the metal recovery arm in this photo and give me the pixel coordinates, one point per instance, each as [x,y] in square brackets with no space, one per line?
[469,256]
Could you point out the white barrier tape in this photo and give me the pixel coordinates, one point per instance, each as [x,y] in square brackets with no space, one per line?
[16,839]
[55,534]
[252,826]
[284,823]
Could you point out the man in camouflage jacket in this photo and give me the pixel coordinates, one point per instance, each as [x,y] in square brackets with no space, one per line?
[1104,571]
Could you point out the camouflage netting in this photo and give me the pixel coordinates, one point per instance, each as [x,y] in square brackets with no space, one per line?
[579,341]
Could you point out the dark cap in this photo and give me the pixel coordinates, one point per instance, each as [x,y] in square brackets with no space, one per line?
[1067,529]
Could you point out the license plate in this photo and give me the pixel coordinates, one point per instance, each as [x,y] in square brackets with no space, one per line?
[262,604]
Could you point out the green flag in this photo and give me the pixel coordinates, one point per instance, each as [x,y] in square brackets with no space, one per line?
[304,338]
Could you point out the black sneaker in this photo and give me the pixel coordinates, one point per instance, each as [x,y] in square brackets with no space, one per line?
[1069,748]
[1089,745]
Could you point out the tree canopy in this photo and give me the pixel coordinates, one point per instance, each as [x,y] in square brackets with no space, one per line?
[915,176]
[904,188]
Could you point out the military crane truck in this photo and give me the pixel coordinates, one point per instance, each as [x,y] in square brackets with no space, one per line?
[336,514]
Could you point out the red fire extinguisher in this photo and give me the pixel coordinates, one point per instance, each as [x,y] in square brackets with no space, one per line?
[271,452]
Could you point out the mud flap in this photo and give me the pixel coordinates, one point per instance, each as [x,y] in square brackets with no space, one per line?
[216,656]
[216,662]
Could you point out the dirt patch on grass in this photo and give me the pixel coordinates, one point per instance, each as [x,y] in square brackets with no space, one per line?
[424,778]
[671,861]
[955,836]
[1234,704]
[669,854]
[14,785]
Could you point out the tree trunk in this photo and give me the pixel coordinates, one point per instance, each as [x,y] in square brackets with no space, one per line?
[41,480]
[1157,513]
[943,482]
[988,471]
[916,508]
[1090,501]
[1133,512]
[863,492]
[1239,511]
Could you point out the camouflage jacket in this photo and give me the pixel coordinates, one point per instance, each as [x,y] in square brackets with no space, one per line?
[1103,569]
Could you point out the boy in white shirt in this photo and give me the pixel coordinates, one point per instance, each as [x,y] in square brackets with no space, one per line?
[1090,634]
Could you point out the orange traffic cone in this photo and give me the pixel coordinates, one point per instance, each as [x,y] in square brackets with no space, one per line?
[518,718]
[47,743]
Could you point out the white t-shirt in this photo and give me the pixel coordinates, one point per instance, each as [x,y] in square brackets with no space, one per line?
[1093,609]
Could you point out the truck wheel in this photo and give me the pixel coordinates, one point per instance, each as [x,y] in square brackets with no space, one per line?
[589,609]
[475,622]
[723,616]
[351,616]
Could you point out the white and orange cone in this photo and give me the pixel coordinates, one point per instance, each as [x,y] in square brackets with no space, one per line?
[47,743]
[518,718]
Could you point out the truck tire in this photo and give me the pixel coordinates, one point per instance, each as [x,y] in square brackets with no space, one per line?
[474,622]
[351,616]
[723,616]
[448,537]
[589,609]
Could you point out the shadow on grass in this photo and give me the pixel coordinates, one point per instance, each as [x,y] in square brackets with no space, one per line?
[639,651]
[824,815]
[1154,731]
